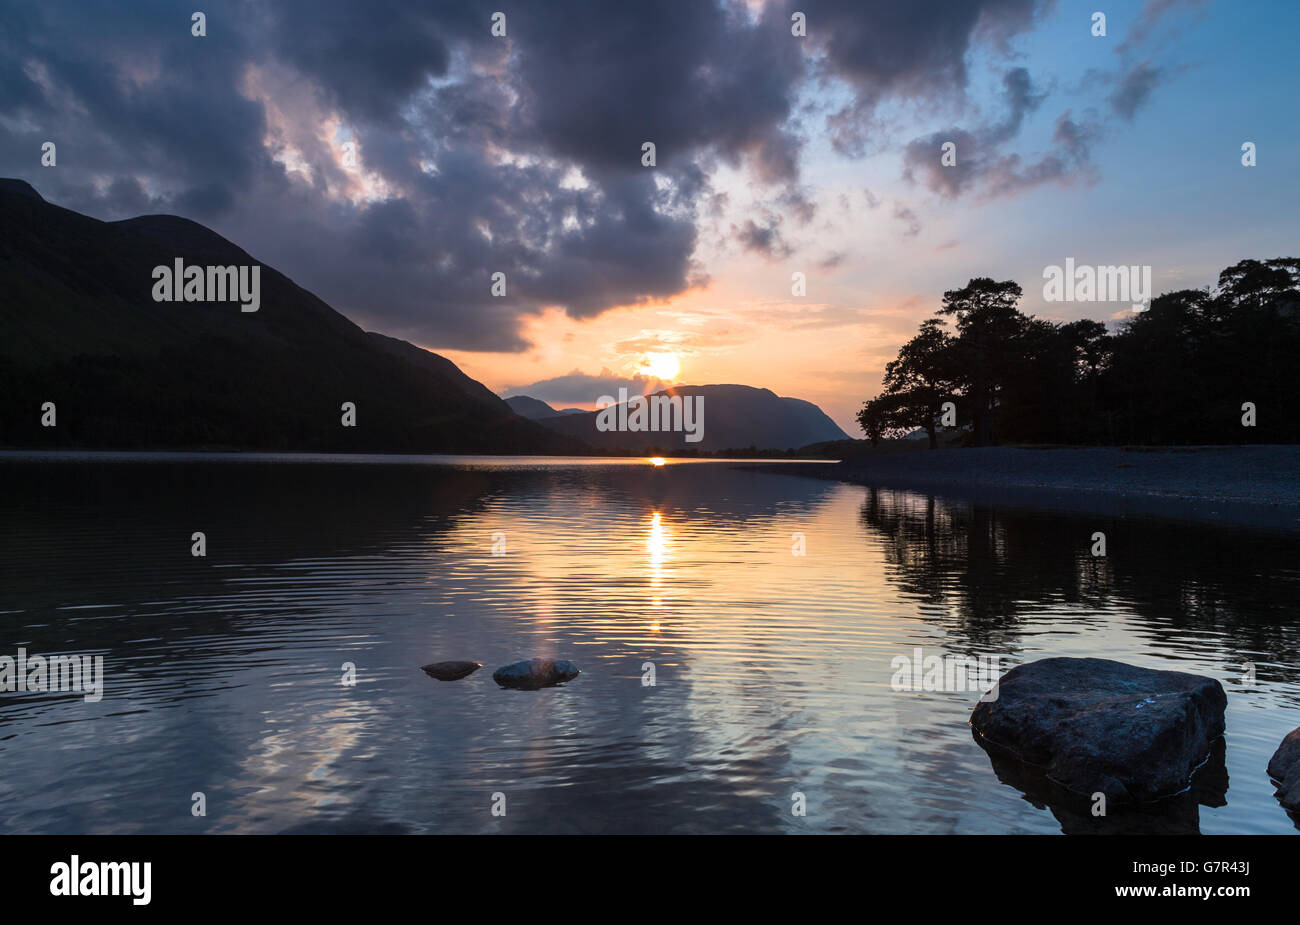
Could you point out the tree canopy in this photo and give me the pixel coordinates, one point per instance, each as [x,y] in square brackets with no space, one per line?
[1185,371]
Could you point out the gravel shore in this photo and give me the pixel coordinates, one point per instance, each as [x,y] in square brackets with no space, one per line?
[1253,486]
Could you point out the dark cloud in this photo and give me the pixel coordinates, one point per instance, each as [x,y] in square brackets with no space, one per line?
[368,58]
[136,99]
[480,154]
[912,50]
[597,81]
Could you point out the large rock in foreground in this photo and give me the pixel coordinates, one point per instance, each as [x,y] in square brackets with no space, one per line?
[451,671]
[1284,767]
[1098,726]
[534,673]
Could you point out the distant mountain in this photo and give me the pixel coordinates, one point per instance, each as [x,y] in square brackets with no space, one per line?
[532,408]
[535,409]
[735,416]
[79,327]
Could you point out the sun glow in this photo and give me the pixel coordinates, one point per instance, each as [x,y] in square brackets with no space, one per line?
[663,366]
[658,461]
[658,548]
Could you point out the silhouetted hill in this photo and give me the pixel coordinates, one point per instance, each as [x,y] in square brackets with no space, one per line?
[22,187]
[532,408]
[734,416]
[535,409]
[79,327]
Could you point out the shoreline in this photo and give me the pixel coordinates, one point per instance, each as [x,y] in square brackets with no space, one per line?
[346,457]
[1240,486]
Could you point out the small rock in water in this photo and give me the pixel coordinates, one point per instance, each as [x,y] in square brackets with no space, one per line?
[533,673]
[1284,767]
[450,671]
[1099,726]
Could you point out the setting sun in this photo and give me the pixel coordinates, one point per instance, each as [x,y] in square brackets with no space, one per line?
[663,366]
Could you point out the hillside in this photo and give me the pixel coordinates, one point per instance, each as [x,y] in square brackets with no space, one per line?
[79,327]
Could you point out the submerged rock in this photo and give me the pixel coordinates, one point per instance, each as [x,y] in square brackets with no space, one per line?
[1099,726]
[533,673]
[450,671]
[1284,767]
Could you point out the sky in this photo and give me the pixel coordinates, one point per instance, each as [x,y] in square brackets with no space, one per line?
[392,156]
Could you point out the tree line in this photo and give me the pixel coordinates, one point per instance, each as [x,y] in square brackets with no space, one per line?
[1198,366]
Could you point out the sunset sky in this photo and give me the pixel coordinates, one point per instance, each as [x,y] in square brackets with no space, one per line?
[522,154]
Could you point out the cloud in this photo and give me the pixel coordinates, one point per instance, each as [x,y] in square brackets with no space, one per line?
[982,164]
[1152,17]
[1135,88]
[478,154]
[763,239]
[912,225]
[912,50]
[579,388]
[1135,80]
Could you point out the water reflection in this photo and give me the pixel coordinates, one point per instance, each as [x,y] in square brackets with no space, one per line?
[990,572]
[223,674]
[1175,815]
[1182,592]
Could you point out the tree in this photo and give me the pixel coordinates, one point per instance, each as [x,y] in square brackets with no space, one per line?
[1259,282]
[873,420]
[1179,372]
[921,379]
[988,328]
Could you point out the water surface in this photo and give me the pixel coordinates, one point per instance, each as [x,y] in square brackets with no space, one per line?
[772,670]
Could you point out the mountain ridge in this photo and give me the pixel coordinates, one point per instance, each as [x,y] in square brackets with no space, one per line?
[81,330]
[735,416]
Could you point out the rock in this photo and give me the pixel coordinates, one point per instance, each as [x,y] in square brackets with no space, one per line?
[450,671]
[533,673]
[1098,726]
[1284,767]
[1179,814]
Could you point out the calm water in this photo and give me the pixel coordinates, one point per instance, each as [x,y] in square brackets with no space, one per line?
[223,674]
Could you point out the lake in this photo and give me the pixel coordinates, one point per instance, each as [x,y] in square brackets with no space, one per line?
[224,674]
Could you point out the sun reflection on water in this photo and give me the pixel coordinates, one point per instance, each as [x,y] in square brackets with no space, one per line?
[659,544]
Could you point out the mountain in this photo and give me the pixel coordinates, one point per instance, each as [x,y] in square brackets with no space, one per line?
[532,408]
[535,409]
[79,327]
[735,417]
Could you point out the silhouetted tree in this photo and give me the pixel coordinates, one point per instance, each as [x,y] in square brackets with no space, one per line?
[916,386]
[1177,373]
[988,328]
